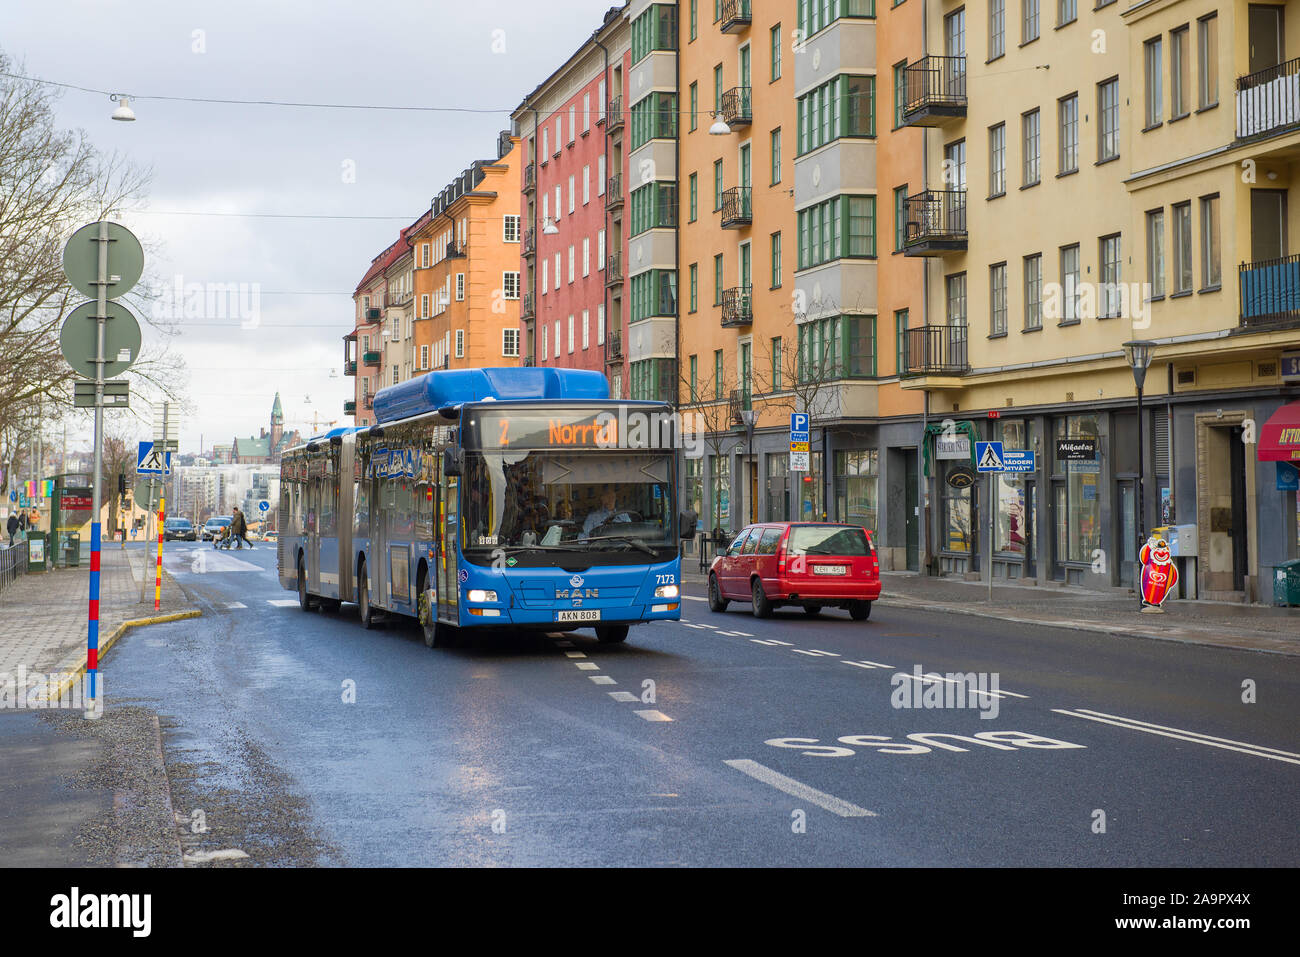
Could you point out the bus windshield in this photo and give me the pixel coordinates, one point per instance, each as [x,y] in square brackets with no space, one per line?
[552,501]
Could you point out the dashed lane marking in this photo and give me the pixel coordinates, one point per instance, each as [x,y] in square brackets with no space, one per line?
[235,604]
[574,654]
[652,715]
[798,789]
[283,602]
[815,653]
[866,664]
[602,679]
[698,627]
[622,695]
[1133,724]
[931,678]
[206,857]
[694,598]
[587,665]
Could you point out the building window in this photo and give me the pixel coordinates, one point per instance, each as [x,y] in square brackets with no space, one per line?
[1067,11]
[900,217]
[1028,21]
[654,293]
[776,156]
[571,194]
[998,299]
[460,344]
[510,229]
[510,284]
[460,287]
[694,272]
[586,256]
[775,354]
[695,105]
[900,341]
[1156,252]
[900,92]
[424,357]
[510,343]
[1034,292]
[1110,276]
[717,279]
[586,185]
[1182,247]
[997,28]
[655,29]
[1030,146]
[717,374]
[817,15]
[1108,128]
[694,378]
[654,117]
[600,251]
[837,347]
[997,160]
[600,175]
[570,335]
[842,107]
[570,265]
[776,260]
[717,185]
[424,255]
[717,88]
[1211,274]
[424,305]
[600,324]
[694,11]
[855,487]
[1207,54]
[1069,284]
[694,191]
[1180,72]
[654,206]
[955,298]
[1068,137]
[1077,506]
[1153,85]
[843,227]
[545,271]
[545,335]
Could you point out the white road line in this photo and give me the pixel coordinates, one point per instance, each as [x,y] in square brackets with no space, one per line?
[710,627]
[814,653]
[763,641]
[1255,750]
[798,789]
[587,665]
[733,634]
[864,663]
[602,679]
[786,644]
[689,625]
[575,654]
[283,602]
[930,679]
[694,598]
[235,604]
[743,634]
[652,715]
[622,695]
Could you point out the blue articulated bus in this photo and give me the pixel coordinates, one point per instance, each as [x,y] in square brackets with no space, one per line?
[517,498]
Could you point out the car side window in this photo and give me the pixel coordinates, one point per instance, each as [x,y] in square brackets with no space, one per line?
[767,544]
[738,542]
[751,543]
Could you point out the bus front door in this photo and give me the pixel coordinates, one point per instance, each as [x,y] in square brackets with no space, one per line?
[448,526]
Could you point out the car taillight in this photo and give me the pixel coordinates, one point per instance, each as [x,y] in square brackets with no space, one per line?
[780,556]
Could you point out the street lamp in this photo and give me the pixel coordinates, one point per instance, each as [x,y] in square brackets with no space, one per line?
[549,228]
[719,127]
[1138,355]
[124,113]
[749,417]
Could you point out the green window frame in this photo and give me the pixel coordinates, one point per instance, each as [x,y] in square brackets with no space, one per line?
[776,260]
[717,279]
[717,373]
[901,318]
[900,217]
[817,15]
[654,117]
[695,371]
[837,347]
[776,155]
[695,105]
[694,194]
[651,379]
[655,29]
[717,185]
[717,88]
[695,9]
[777,363]
[900,92]
[695,285]
[776,52]
[654,206]
[840,228]
[842,107]
[654,293]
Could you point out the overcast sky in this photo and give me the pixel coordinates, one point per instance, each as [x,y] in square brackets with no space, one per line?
[262,159]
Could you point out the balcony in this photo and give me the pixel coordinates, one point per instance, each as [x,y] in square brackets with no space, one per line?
[368,401]
[736,109]
[530,242]
[370,358]
[615,113]
[735,16]
[936,350]
[372,315]
[614,270]
[350,408]
[615,353]
[350,367]
[398,298]
[935,222]
[530,177]
[737,209]
[739,401]
[935,89]
[457,250]
[1270,293]
[526,310]
[737,307]
[614,192]
[1268,102]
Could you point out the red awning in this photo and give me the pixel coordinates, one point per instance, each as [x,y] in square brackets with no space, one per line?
[1279,440]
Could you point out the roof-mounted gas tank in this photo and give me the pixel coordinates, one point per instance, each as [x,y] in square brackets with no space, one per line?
[437,390]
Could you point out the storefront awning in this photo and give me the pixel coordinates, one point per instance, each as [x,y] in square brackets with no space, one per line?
[1279,440]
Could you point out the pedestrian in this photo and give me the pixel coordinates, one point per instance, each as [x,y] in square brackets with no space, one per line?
[12,526]
[239,530]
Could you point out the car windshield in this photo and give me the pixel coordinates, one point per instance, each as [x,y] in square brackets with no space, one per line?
[827,540]
[570,501]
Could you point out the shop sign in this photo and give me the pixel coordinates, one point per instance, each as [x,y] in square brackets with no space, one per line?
[961,477]
[1288,477]
[1076,449]
[952,447]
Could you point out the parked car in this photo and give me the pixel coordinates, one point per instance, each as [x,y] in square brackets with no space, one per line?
[179,529]
[271,536]
[811,564]
[212,529]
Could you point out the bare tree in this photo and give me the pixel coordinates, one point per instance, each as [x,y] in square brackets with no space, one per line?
[710,400]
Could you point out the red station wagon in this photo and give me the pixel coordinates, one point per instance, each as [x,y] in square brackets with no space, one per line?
[798,563]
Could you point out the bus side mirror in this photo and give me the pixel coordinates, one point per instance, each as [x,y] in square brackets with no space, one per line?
[686,523]
[453,460]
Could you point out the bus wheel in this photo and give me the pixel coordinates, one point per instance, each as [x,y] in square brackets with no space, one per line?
[435,634]
[611,634]
[304,599]
[363,597]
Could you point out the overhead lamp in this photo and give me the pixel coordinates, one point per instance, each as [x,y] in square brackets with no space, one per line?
[719,127]
[549,228]
[124,113]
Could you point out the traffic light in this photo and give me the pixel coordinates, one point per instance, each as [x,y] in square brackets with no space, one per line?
[121,484]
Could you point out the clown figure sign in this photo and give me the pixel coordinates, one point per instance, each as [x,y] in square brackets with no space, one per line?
[1159,573]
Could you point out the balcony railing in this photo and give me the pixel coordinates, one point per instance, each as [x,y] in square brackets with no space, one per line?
[1269,101]
[738,306]
[935,91]
[739,401]
[937,350]
[350,407]
[737,209]
[350,367]
[935,222]
[614,192]
[368,401]
[530,177]
[370,358]
[735,16]
[457,250]
[526,310]
[736,108]
[614,270]
[1270,292]
[529,242]
[615,353]
[615,113]
[528,361]
[398,298]
[372,315]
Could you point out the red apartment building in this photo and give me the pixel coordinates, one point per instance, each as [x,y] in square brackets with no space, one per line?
[573,188]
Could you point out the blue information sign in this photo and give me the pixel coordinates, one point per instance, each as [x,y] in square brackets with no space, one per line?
[799,427]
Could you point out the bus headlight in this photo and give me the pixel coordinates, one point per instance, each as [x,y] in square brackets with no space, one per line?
[667,591]
[479,594]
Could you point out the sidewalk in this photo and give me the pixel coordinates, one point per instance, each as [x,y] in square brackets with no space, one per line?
[44,615]
[1114,612]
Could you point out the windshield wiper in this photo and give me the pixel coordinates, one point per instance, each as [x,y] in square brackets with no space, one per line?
[514,549]
[625,539]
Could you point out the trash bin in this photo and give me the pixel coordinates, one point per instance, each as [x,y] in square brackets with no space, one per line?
[37,560]
[1286,583]
[72,550]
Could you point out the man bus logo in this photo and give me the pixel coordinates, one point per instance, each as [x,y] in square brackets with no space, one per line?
[577,594]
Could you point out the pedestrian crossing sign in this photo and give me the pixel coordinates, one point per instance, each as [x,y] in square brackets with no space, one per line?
[988,457]
[153,460]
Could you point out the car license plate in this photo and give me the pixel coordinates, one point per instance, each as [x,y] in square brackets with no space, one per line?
[580,614]
[830,570]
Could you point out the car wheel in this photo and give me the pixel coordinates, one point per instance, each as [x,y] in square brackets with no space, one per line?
[304,599]
[611,634]
[363,597]
[812,611]
[860,610]
[716,601]
[762,607]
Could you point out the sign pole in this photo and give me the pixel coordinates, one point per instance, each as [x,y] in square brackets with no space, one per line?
[92,625]
[992,475]
[144,562]
[162,512]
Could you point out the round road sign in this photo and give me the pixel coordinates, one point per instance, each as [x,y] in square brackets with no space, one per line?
[125,260]
[142,491]
[264,505]
[121,339]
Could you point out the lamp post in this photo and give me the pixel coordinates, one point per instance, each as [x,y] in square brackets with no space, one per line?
[1138,355]
[750,416]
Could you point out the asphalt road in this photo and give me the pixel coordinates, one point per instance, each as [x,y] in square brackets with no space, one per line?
[299,738]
